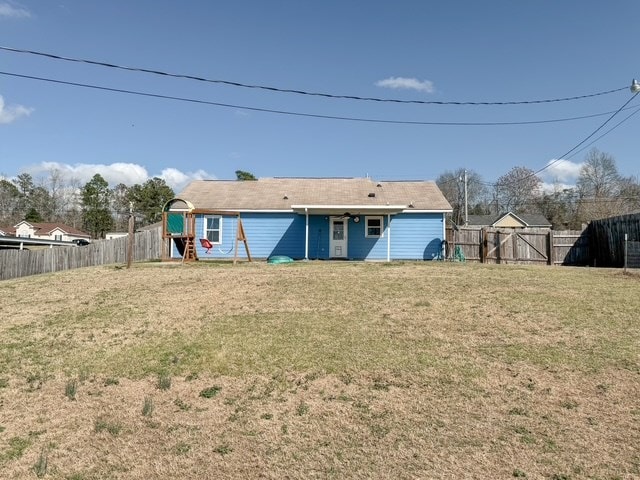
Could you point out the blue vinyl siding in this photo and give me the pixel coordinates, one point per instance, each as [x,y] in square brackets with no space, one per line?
[414,236]
[363,248]
[267,234]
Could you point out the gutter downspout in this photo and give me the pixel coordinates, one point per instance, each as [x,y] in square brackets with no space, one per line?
[388,237]
[306,234]
[444,235]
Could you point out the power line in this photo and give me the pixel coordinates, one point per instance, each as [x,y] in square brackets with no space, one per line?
[298,114]
[637,109]
[300,92]
[562,157]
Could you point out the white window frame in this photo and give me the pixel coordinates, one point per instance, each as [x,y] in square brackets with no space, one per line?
[207,230]
[366,226]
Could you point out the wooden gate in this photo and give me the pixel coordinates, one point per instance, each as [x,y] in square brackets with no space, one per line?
[505,245]
[515,246]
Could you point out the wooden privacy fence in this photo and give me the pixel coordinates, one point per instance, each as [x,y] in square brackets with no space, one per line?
[21,263]
[535,246]
[608,239]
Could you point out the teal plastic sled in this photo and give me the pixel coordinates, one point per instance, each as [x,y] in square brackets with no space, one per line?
[280,259]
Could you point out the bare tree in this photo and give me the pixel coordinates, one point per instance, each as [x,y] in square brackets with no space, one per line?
[72,211]
[56,184]
[629,194]
[599,186]
[120,206]
[451,185]
[599,175]
[518,190]
[560,207]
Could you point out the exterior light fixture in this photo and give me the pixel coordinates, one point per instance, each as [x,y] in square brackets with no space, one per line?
[635,86]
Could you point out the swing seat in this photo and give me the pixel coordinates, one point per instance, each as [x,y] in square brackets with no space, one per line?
[206,244]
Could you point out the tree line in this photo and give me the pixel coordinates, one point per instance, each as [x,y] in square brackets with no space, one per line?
[600,192]
[93,207]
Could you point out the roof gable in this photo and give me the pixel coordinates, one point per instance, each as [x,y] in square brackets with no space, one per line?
[510,220]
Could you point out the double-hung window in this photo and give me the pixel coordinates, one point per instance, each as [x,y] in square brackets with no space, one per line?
[213,228]
[374,227]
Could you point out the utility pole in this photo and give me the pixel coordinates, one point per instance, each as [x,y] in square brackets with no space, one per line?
[466,202]
[131,237]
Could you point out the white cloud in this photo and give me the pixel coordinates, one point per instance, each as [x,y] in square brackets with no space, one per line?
[8,10]
[116,173]
[560,175]
[9,114]
[178,180]
[562,171]
[407,84]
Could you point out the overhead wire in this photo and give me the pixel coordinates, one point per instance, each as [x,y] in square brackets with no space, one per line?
[570,153]
[300,92]
[574,149]
[298,114]
[565,157]
[637,109]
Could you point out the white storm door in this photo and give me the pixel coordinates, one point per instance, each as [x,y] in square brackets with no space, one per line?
[338,238]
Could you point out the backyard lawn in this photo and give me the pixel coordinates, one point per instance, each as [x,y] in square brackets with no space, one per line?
[413,370]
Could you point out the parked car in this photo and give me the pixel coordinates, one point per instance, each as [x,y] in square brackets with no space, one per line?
[81,242]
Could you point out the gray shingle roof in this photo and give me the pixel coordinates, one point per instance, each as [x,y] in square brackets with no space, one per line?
[282,193]
[531,219]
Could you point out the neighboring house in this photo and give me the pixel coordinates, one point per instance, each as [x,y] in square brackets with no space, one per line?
[508,220]
[114,235]
[308,218]
[48,231]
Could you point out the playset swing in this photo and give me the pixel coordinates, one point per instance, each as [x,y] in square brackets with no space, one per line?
[179,228]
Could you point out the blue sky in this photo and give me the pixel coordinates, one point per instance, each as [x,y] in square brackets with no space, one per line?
[410,50]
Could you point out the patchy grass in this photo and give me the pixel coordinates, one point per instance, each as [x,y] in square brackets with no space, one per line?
[320,369]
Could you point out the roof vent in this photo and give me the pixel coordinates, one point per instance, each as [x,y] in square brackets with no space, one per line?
[372,194]
[379,185]
[285,197]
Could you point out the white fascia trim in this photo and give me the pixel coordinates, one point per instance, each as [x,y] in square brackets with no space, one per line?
[233,212]
[349,207]
[413,210]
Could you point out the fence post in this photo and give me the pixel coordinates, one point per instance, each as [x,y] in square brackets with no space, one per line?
[626,238]
[552,252]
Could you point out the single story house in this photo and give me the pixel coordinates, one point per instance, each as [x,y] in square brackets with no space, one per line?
[509,220]
[48,231]
[308,218]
